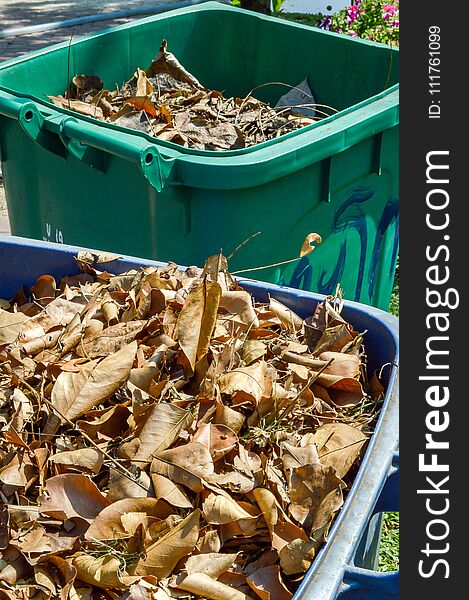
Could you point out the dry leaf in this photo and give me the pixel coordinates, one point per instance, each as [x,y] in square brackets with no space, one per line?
[339,446]
[212,564]
[218,509]
[166,62]
[245,384]
[159,428]
[268,585]
[10,326]
[169,491]
[316,494]
[70,495]
[307,246]
[289,319]
[88,459]
[206,587]
[76,393]
[109,524]
[186,465]
[102,572]
[163,555]
[197,320]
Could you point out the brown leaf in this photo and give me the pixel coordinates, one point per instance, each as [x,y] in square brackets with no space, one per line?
[143,103]
[78,106]
[204,586]
[297,556]
[165,114]
[166,62]
[240,305]
[197,320]
[339,446]
[120,486]
[75,393]
[71,496]
[316,495]
[307,247]
[159,428]
[88,459]
[36,543]
[13,566]
[165,553]
[44,288]
[186,465]
[55,572]
[268,505]
[252,350]
[102,572]
[344,365]
[169,491]
[144,87]
[109,340]
[218,439]
[218,509]
[106,424]
[109,524]
[246,384]
[333,339]
[268,585]
[10,326]
[234,481]
[18,471]
[289,319]
[293,456]
[212,564]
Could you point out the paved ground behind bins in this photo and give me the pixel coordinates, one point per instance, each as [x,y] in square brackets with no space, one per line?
[22,13]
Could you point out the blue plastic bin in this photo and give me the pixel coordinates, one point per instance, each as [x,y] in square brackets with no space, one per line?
[344,567]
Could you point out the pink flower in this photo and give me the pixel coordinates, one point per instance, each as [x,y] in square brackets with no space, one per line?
[352,33]
[388,11]
[353,13]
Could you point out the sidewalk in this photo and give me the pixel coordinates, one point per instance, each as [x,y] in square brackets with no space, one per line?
[22,13]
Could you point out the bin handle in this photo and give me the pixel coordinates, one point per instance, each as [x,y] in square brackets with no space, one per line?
[359,580]
[92,146]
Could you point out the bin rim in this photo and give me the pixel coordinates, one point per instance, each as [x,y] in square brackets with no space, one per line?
[172,147]
[336,555]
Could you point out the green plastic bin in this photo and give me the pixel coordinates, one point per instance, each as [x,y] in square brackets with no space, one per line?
[72,179]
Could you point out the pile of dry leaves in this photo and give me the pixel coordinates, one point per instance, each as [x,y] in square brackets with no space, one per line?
[169,103]
[164,436]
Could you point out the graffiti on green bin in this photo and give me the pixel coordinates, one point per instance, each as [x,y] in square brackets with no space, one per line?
[351,216]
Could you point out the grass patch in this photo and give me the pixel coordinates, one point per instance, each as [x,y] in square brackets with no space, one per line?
[394,303]
[389,546]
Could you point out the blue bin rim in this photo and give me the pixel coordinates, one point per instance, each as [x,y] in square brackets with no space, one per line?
[325,576]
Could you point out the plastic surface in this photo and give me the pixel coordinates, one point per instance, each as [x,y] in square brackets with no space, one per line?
[342,567]
[71,178]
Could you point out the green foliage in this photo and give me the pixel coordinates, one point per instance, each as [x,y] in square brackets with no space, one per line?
[389,546]
[394,304]
[277,5]
[376,20]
